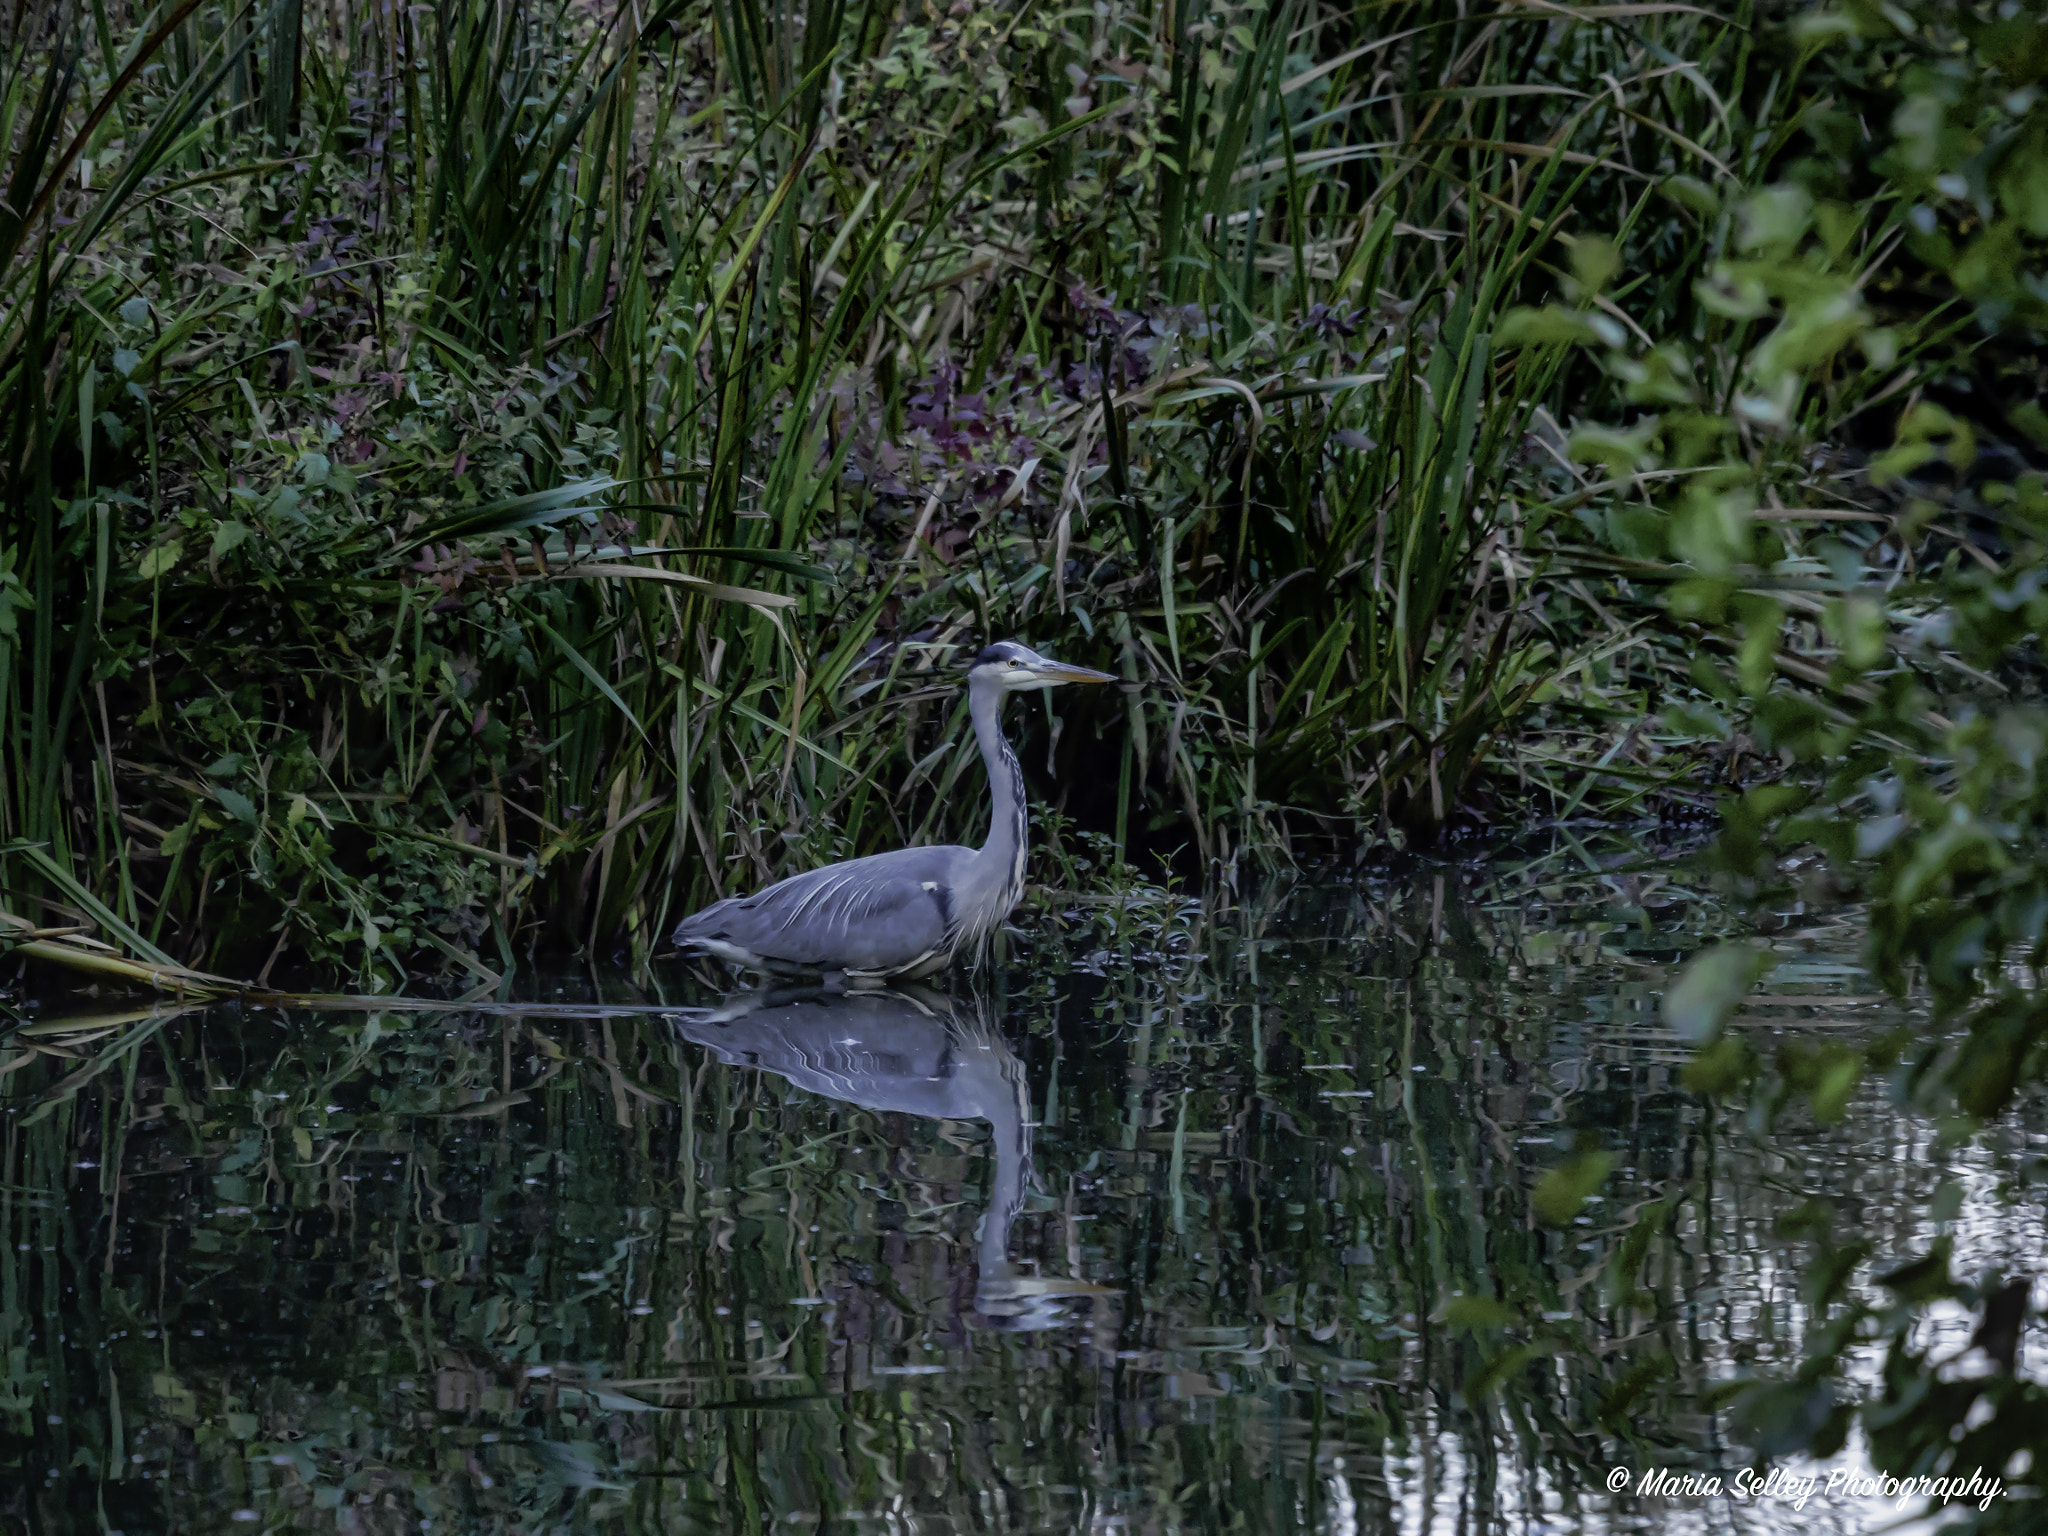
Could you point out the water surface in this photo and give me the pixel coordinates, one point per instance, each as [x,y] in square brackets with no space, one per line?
[1192,1219]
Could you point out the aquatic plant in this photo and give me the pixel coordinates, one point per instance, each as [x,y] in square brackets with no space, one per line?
[488,479]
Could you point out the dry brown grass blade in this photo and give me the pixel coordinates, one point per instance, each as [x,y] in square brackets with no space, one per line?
[174,979]
[74,951]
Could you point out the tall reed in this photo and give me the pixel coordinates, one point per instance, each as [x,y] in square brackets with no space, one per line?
[492,477]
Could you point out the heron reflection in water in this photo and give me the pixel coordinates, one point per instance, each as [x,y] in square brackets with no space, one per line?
[910,913]
[912,1052]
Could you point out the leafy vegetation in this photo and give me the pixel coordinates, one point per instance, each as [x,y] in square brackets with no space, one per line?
[1892,663]
[486,479]
[483,479]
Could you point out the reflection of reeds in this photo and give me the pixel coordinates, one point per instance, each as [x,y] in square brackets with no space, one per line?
[586,1194]
[486,477]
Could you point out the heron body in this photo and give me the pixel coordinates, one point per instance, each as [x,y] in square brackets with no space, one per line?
[909,913]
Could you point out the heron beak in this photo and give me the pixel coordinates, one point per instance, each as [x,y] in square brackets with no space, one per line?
[1060,672]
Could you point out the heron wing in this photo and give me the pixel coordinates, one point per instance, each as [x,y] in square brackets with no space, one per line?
[872,914]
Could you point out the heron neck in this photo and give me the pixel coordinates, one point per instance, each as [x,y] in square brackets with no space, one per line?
[1003,853]
[1009,1122]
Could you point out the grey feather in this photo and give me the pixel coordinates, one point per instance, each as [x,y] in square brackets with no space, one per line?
[878,915]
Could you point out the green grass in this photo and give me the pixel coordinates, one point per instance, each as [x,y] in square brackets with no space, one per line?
[373,348]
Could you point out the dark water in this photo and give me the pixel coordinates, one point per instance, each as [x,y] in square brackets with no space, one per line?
[1204,1221]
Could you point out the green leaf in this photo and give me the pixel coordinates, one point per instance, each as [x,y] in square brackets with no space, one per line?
[66,882]
[1710,530]
[229,535]
[1621,454]
[1705,601]
[1816,28]
[1827,1276]
[1775,218]
[1856,623]
[1718,1069]
[1552,325]
[237,804]
[1561,1192]
[576,659]
[159,560]
[579,499]
[1784,1418]
[1508,1362]
[1756,660]
[1595,260]
[1946,1203]
[1812,1217]
[1477,1313]
[1709,989]
[1923,1279]
[1633,1384]
[1894,463]
[1690,192]
[792,565]
[1838,1080]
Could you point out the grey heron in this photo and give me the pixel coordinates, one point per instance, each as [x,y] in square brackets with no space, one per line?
[909,913]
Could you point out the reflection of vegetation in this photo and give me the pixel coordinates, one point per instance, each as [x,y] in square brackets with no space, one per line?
[486,1269]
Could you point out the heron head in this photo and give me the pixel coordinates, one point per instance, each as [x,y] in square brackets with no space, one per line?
[1016,667]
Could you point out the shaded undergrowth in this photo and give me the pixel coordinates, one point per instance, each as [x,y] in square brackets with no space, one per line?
[486,478]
